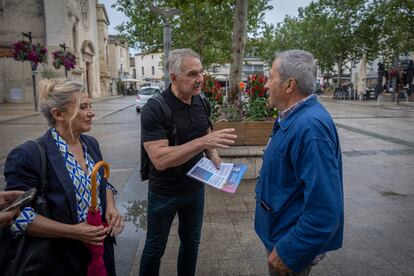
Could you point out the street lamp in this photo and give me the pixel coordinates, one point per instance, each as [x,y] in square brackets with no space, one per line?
[167,13]
[64,47]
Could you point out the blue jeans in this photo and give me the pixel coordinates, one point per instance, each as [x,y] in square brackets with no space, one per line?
[161,212]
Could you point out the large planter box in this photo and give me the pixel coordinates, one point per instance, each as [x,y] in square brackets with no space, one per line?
[252,137]
[254,133]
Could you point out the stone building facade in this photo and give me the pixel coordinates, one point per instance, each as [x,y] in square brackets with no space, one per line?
[82,25]
[119,67]
[149,68]
[132,69]
[119,56]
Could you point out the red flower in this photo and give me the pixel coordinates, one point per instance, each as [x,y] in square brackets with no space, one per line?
[212,88]
[256,86]
[261,79]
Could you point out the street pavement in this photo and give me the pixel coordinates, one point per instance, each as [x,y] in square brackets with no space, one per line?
[378,158]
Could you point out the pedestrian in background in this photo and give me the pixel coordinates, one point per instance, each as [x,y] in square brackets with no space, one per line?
[71,157]
[170,190]
[300,205]
[6,198]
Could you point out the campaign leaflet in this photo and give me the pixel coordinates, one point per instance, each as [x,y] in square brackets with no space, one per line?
[227,178]
[235,177]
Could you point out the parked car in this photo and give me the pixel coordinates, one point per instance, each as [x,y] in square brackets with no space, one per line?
[144,94]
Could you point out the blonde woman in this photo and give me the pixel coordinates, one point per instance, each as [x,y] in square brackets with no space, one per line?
[71,156]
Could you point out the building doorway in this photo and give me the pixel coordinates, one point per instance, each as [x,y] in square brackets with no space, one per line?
[89,78]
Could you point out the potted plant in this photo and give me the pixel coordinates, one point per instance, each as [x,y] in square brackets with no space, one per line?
[257,117]
[65,58]
[35,53]
[25,50]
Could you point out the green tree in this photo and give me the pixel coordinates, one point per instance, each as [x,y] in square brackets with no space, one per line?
[238,47]
[395,20]
[274,39]
[204,25]
[335,32]
[261,46]
[332,31]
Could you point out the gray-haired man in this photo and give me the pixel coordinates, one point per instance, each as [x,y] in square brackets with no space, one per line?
[299,210]
[171,191]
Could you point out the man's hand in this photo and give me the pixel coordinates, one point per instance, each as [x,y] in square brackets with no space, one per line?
[222,138]
[213,156]
[216,161]
[276,264]
[7,198]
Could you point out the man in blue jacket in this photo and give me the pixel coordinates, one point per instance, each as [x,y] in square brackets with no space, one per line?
[300,203]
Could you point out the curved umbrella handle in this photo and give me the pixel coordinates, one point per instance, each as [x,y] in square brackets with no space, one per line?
[105,165]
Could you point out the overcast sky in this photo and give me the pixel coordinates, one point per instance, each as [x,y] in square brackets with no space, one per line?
[280,9]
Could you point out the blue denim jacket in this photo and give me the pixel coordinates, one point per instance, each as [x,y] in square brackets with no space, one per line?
[299,207]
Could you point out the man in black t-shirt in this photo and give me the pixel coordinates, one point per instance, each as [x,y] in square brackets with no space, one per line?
[171,191]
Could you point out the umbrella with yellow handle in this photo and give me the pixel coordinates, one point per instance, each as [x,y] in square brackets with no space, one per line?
[96,266]
[94,198]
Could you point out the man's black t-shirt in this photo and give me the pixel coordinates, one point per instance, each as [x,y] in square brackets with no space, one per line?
[191,122]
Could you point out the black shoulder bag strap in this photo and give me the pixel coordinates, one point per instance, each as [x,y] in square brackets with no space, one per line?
[167,111]
[207,110]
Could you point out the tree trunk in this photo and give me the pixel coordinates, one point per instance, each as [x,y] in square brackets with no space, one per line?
[238,47]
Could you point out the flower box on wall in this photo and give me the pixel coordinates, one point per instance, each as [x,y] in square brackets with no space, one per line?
[250,133]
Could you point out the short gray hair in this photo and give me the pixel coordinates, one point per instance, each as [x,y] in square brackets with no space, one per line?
[301,66]
[176,57]
[57,93]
